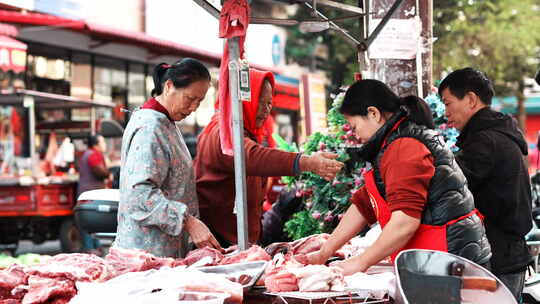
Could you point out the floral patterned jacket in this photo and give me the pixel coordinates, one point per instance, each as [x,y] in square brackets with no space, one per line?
[157,186]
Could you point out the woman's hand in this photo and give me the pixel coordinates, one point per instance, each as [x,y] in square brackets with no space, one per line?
[200,234]
[350,266]
[322,164]
[316,258]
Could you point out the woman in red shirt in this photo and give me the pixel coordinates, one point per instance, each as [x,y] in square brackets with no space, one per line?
[415,188]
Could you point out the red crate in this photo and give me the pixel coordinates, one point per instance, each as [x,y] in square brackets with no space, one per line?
[17,198]
[55,197]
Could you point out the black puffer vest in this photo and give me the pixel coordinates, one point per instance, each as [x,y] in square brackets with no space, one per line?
[448,195]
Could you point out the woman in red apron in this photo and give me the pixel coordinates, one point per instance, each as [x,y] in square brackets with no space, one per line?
[414,189]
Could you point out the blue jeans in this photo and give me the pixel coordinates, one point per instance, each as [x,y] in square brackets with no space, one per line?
[89,242]
[514,282]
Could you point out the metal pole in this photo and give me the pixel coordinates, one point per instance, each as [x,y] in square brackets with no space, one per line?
[240,202]
[363,59]
[29,103]
[93,121]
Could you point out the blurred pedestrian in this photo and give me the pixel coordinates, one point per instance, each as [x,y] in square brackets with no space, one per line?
[93,174]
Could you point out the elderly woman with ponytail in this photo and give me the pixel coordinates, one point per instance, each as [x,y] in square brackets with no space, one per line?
[158,208]
[415,189]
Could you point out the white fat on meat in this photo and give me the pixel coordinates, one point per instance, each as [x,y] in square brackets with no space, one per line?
[319,278]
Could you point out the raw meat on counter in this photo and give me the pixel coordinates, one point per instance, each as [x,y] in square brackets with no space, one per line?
[287,274]
[10,278]
[309,244]
[54,281]
[319,278]
[254,253]
[48,290]
[73,266]
[130,287]
[133,260]
[313,243]
[197,254]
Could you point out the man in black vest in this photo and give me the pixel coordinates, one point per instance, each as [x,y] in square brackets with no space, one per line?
[492,150]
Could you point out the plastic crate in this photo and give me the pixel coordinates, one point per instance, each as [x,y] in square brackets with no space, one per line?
[55,197]
[17,198]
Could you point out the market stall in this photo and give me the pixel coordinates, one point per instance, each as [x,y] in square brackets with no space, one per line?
[37,173]
[255,275]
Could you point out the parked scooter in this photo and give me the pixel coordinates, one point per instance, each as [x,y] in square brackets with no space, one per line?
[531,290]
[96,213]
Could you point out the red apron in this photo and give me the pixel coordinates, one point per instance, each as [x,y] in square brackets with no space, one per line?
[426,237]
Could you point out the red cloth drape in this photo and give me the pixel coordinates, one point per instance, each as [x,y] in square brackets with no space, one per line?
[249,109]
[233,22]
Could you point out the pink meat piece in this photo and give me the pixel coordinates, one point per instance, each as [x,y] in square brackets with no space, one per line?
[319,278]
[178,262]
[285,273]
[283,281]
[73,266]
[134,260]
[254,253]
[11,277]
[277,276]
[48,290]
[10,301]
[197,254]
[309,244]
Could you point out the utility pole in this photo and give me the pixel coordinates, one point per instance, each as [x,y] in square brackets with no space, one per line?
[402,74]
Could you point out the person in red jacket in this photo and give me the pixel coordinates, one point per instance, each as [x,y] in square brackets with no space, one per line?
[93,173]
[215,170]
[415,189]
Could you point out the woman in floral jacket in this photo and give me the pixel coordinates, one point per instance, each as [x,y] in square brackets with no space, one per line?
[158,203]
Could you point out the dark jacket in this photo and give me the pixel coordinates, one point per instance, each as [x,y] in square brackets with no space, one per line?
[448,196]
[491,155]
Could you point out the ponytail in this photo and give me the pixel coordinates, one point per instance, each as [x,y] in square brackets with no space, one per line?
[418,111]
[158,77]
[374,93]
[181,73]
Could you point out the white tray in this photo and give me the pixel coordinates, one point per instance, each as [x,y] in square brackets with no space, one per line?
[254,269]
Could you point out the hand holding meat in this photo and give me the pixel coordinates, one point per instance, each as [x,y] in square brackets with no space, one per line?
[322,164]
[200,234]
[350,266]
[314,258]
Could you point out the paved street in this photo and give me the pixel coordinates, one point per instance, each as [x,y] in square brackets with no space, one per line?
[49,247]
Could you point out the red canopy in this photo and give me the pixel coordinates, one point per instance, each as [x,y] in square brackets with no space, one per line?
[12,54]
[108,33]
